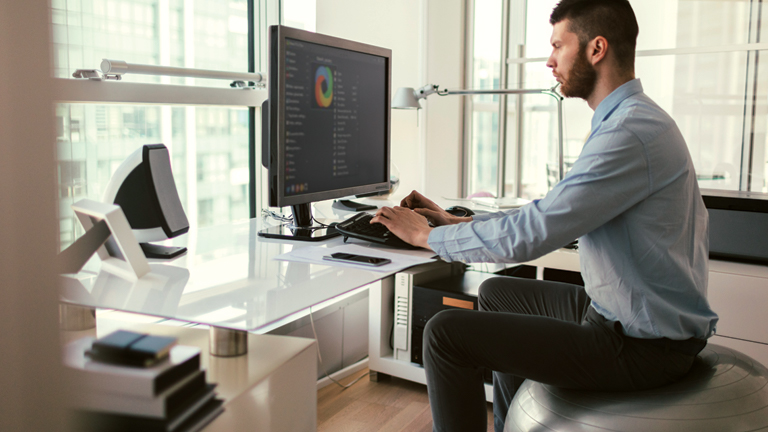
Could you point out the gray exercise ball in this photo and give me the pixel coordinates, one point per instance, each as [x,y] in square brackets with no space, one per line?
[724,391]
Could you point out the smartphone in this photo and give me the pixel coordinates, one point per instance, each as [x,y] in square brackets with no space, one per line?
[357,259]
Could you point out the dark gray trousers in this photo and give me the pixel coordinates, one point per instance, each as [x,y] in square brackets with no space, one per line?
[539,330]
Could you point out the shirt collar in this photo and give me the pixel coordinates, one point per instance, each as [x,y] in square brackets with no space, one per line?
[609,104]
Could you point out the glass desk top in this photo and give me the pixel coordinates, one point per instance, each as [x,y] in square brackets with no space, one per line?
[228,278]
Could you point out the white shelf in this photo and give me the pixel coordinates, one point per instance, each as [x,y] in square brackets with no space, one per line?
[271,388]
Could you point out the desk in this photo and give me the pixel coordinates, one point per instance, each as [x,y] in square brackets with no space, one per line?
[227,279]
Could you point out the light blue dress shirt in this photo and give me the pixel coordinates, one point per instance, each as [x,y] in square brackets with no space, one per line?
[633,202]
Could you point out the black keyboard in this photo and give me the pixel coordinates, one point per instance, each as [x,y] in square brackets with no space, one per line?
[359,226]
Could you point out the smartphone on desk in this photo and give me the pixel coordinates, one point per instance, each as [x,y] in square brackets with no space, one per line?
[357,259]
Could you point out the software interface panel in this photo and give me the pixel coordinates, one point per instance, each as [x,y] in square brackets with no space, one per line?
[335,118]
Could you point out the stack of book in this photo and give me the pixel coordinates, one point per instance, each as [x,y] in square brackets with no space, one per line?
[130,381]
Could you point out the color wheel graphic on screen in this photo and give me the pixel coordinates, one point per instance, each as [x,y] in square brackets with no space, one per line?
[323,86]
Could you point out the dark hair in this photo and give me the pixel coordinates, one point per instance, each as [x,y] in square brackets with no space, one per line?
[613,19]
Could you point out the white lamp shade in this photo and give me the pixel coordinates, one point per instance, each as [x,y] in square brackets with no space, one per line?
[405,98]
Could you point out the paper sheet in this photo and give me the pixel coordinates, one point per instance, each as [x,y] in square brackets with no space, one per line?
[400,259]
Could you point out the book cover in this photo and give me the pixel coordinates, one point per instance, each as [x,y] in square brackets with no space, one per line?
[117,341]
[194,418]
[146,382]
[153,346]
[173,399]
[123,346]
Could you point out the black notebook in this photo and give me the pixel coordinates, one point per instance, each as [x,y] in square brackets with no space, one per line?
[131,348]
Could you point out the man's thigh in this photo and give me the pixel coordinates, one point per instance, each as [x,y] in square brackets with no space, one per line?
[544,349]
[559,300]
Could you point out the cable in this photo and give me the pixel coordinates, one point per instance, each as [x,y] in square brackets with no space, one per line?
[392,337]
[266,213]
[320,357]
[269,213]
[322,225]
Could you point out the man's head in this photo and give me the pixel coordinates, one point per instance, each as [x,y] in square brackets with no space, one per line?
[587,33]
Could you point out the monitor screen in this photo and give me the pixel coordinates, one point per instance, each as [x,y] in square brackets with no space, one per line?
[329,103]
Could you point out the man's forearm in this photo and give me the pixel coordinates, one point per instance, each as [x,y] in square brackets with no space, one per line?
[422,239]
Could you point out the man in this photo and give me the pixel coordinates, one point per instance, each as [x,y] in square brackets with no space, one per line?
[633,201]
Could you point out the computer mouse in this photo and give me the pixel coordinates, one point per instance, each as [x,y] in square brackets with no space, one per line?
[459,211]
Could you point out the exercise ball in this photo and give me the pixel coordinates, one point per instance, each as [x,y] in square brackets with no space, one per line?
[725,390]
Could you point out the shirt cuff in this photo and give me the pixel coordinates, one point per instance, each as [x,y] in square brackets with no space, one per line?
[436,241]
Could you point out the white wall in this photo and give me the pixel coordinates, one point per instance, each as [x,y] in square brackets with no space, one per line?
[397,25]
[30,364]
[426,39]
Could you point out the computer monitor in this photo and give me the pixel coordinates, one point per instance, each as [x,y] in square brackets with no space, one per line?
[143,186]
[327,120]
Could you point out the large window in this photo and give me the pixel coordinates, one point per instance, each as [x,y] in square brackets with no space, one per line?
[484,74]
[207,126]
[699,60]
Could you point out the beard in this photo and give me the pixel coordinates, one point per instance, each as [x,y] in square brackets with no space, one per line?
[582,78]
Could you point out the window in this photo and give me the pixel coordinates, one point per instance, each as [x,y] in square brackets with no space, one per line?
[699,60]
[484,74]
[205,124]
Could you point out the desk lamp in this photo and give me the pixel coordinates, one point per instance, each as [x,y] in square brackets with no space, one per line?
[408,98]
[115,69]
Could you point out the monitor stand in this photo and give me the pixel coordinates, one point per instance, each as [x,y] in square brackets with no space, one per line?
[161,252]
[301,229]
[348,205]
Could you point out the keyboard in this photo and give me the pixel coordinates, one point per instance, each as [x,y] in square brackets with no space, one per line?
[359,226]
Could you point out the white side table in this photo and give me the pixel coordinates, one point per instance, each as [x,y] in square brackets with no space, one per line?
[272,388]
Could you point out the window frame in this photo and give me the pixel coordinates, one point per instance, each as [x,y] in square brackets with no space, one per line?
[261,14]
[515,62]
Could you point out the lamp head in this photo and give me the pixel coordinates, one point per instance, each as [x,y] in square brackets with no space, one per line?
[405,98]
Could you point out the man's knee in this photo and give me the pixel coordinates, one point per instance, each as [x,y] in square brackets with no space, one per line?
[490,290]
[438,331]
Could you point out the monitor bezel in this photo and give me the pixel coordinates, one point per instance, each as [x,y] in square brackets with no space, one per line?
[278,36]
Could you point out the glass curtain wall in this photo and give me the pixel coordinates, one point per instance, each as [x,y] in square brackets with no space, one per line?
[699,60]
[209,145]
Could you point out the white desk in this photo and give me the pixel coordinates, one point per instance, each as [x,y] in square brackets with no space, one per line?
[227,279]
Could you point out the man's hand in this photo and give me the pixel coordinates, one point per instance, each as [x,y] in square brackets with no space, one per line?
[409,226]
[433,212]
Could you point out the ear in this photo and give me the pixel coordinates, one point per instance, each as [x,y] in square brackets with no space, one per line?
[597,50]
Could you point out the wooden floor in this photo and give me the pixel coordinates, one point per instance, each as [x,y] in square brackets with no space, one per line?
[392,405]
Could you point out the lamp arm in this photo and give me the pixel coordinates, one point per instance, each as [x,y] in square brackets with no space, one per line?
[114,69]
[423,92]
[445,92]
[550,92]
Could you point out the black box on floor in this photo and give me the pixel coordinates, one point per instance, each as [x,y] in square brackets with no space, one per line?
[455,292]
